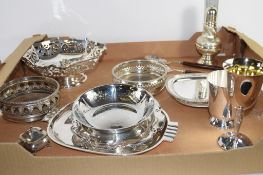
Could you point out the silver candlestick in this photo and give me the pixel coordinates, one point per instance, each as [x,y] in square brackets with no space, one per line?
[208,44]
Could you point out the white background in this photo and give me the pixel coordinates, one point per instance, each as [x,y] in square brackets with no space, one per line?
[121,20]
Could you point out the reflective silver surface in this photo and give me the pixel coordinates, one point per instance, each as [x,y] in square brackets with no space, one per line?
[146,74]
[162,129]
[245,77]
[189,89]
[209,44]
[34,139]
[230,140]
[66,59]
[114,108]
[29,98]
[218,106]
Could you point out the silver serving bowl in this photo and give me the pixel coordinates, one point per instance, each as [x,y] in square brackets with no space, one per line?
[138,136]
[146,74]
[65,59]
[29,98]
[60,131]
[113,113]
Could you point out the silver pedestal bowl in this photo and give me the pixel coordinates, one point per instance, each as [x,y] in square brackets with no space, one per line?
[113,115]
[65,59]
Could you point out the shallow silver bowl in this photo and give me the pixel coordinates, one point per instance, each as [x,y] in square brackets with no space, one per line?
[108,111]
[102,140]
[146,74]
[65,59]
[139,134]
[60,131]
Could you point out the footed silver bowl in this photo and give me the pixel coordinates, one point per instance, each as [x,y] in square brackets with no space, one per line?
[60,131]
[112,114]
[65,59]
[135,138]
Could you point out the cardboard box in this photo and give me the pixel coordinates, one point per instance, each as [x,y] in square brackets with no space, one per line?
[194,150]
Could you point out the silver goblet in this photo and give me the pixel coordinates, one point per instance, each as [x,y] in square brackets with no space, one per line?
[218,103]
[244,81]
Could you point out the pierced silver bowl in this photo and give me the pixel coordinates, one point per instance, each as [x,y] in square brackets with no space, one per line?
[29,98]
[146,74]
[65,59]
[111,114]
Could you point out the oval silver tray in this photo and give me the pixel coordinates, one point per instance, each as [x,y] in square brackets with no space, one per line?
[189,89]
[59,130]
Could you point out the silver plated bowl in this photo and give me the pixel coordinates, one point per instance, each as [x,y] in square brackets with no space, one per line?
[146,74]
[60,131]
[29,98]
[99,140]
[114,113]
[65,59]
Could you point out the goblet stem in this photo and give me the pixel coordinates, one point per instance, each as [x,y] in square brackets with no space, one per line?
[239,114]
[234,139]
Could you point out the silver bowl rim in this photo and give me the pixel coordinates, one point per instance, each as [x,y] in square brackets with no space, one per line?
[37,68]
[32,78]
[163,76]
[229,62]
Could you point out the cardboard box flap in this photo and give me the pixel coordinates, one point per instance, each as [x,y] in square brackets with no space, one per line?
[253,45]
[12,60]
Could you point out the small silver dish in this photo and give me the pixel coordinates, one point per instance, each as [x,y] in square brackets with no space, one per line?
[34,139]
[29,98]
[189,89]
[111,113]
[65,59]
[146,74]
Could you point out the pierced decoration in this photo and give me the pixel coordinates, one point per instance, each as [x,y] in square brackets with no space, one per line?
[66,60]
[29,98]
[146,74]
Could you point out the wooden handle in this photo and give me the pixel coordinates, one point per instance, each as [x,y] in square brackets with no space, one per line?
[12,60]
[204,66]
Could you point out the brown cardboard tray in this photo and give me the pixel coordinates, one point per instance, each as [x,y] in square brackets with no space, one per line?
[194,150]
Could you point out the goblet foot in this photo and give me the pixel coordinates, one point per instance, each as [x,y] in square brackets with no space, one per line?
[221,124]
[72,81]
[230,140]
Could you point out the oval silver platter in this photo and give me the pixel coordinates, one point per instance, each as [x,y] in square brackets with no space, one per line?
[189,89]
[59,130]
